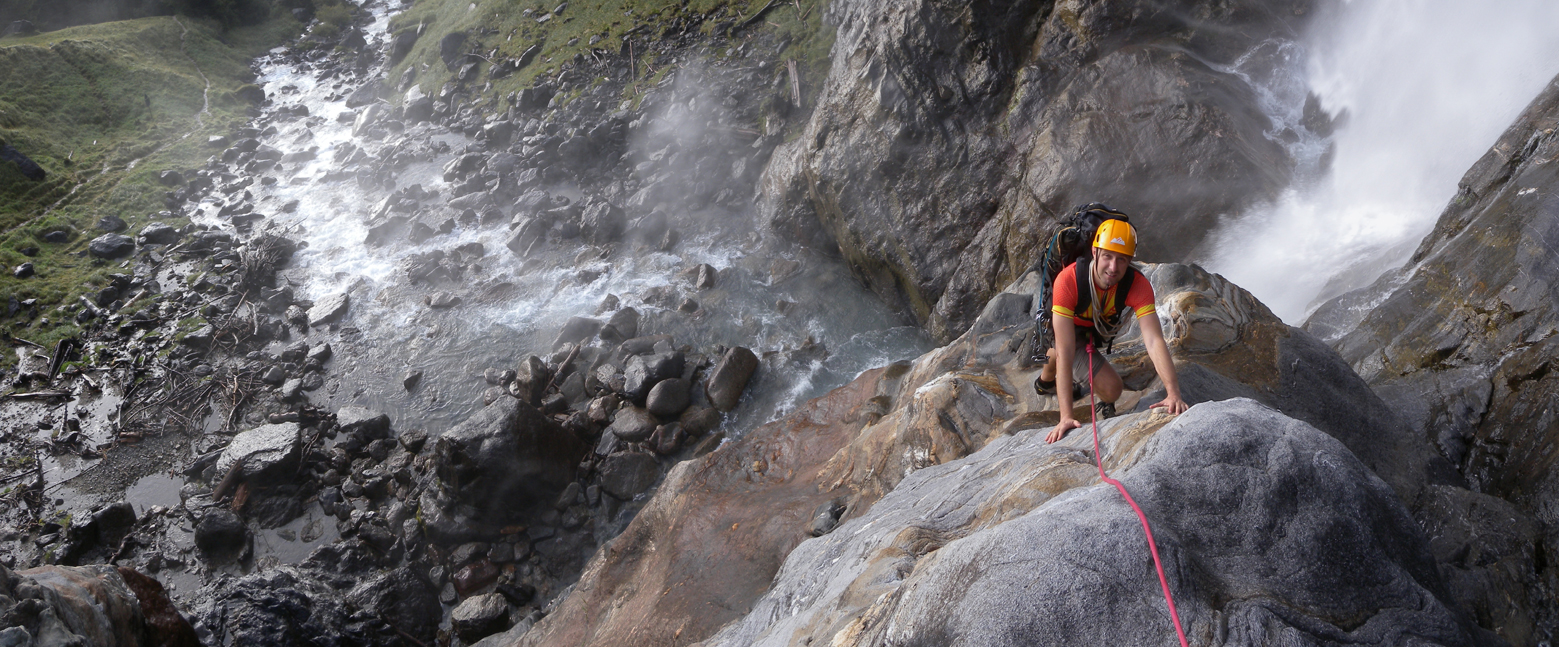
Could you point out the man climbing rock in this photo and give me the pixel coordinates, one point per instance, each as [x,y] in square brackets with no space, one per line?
[1090,300]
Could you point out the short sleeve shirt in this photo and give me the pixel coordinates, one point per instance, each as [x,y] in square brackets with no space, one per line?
[1139,299]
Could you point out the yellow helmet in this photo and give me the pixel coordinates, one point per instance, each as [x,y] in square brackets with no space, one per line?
[1116,236]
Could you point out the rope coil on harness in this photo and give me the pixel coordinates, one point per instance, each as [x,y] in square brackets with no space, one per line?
[1152,545]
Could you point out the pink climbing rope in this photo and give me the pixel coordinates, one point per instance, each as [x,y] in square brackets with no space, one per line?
[1152,546]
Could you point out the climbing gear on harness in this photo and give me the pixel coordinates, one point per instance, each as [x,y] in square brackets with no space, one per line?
[1069,244]
[1116,236]
[1152,545]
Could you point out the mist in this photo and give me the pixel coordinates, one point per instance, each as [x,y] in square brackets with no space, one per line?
[1425,87]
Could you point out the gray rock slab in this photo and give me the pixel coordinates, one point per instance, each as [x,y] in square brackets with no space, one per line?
[1266,527]
[328,309]
[266,450]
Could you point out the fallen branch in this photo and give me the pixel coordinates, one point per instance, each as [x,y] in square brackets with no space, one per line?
[38,395]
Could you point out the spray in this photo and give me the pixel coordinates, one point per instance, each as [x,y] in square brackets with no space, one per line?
[1426,86]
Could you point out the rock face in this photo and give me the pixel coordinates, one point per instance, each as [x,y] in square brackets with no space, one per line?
[937,474]
[506,457]
[994,556]
[1463,343]
[945,144]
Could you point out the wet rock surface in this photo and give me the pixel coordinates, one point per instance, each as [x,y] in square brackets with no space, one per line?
[906,165]
[1460,342]
[963,420]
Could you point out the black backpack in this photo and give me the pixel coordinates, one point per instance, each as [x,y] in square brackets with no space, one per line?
[1070,244]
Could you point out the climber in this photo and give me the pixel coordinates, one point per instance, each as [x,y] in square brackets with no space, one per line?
[1109,284]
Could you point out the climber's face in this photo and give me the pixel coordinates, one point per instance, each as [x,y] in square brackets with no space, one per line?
[1109,268]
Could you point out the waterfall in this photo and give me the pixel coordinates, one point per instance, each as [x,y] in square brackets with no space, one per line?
[1422,89]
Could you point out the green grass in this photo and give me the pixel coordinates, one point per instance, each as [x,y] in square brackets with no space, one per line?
[499,29]
[87,103]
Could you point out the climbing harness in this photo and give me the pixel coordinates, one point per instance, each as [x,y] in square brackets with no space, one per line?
[1152,546]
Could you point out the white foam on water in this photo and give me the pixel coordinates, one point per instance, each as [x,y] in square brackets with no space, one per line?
[1427,87]
[452,347]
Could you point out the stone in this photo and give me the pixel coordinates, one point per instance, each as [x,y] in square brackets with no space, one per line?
[577,329]
[319,354]
[23,271]
[411,379]
[645,371]
[267,452]
[443,300]
[626,474]
[697,421]
[668,398]
[826,517]
[507,457]
[730,377]
[220,532]
[702,276]
[111,246]
[112,224]
[401,595]
[602,223]
[328,310]
[632,424]
[626,322]
[480,616]
[368,423]
[530,381]
[159,234]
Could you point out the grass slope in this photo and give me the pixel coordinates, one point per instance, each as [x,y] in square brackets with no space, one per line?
[104,109]
[500,30]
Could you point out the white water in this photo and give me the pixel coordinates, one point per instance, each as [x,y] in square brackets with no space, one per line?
[1428,86]
[452,347]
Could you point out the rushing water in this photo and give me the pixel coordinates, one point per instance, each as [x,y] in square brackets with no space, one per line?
[1426,86]
[513,306]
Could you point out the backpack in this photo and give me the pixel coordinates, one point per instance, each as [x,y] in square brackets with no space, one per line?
[1070,244]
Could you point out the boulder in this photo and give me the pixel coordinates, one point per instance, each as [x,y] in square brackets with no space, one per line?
[9,155]
[328,310]
[626,474]
[401,44]
[577,329]
[402,595]
[88,605]
[602,223]
[111,246]
[625,322]
[221,533]
[669,398]
[25,270]
[480,616]
[358,420]
[632,424]
[729,378]
[530,381]
[507,457]
[645,371]
[159,234]
[114,224]
[928,105]
[266,452]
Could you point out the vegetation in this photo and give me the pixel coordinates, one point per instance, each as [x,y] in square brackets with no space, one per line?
[103,109]
[501,30]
